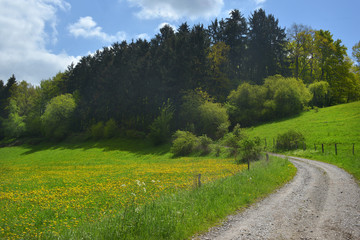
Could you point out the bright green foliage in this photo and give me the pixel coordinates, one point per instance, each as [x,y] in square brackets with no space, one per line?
[160,130]
[204,144]
[97,130]
[184,143]
[111,129]
[288,95]
[320,91]
[213,119]
[233,140]
[57,117]
[14,125]
[289,140]
[245,104]
[356,53]
[250,150]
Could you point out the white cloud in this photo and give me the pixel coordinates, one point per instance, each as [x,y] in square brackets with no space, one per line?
[144,36]
[176,9]
[161,25]
[23,39]
[86,27]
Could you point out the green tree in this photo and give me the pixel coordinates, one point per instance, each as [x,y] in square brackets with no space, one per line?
[57,117]
[160,129]
[289,95]
[245,104]
[266,48]
[14,125]
[320,90]
[213,120]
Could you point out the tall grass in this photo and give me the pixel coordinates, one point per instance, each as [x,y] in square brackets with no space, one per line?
[181,215]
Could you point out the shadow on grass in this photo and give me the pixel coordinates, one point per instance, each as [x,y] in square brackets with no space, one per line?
[136,146]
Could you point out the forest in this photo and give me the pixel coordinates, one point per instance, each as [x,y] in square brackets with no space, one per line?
[200,79]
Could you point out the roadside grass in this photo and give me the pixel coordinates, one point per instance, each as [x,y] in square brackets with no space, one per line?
[338,124]
[183,214]
[51,191]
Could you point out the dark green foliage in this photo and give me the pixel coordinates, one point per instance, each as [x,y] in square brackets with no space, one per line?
[184,143]
[14,125]
[160,130]
[320,90]
[289,140]
[97,130]
[111,129]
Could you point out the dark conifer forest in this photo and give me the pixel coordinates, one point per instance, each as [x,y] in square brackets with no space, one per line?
[201,79]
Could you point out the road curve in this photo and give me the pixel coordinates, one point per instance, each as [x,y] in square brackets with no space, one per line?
[321,202]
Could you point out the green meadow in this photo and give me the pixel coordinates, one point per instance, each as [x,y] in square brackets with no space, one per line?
[322,128]
[123,189]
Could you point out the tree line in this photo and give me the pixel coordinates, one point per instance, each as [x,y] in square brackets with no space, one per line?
[199,79]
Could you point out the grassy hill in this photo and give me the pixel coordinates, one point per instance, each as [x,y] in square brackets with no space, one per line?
[326,126]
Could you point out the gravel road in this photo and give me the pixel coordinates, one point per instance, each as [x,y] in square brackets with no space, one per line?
[321,202]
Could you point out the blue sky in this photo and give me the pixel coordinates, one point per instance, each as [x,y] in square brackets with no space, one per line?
[39,38]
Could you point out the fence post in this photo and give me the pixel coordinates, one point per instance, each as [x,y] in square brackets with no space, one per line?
[267,157]
[265,143]
[322,147]
[304,146]
[335,149]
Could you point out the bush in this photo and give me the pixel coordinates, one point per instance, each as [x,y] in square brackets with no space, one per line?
[213,120]
[160,128]
[184,143]
[232,140]
[97,130]
[57,117]
[289,140]
[204,144]
[111,129]
[250,150]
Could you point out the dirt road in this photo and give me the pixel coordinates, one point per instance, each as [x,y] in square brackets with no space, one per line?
[321,202]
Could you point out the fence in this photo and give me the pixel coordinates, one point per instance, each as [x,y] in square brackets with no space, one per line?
[324,146]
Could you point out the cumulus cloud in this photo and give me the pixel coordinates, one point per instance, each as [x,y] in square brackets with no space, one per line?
[176,9]
[23,39]
[86,27]
[161,25]
[144,36]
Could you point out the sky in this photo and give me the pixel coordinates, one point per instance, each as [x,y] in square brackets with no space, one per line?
[39,38]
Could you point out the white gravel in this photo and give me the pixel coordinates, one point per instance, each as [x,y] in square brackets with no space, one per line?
[321,202]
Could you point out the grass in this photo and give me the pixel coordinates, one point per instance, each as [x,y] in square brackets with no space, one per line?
[338,124]
[115,188]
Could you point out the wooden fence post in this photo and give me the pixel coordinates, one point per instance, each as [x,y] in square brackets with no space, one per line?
[304,146]
[335,149]
[267,157]
[322,147]
[199,180]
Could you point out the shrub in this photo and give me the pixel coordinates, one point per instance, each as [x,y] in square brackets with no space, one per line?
[213,120]
[160,128]
[97,130]
[14,125]
[111,129]
[250,150]
[232,140]
[184,143]
[289,140]
[57,117]
[204,144]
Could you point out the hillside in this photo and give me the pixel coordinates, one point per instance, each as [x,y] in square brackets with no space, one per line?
[338,124]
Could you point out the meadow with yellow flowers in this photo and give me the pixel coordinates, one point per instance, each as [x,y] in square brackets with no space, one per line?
[54,191]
